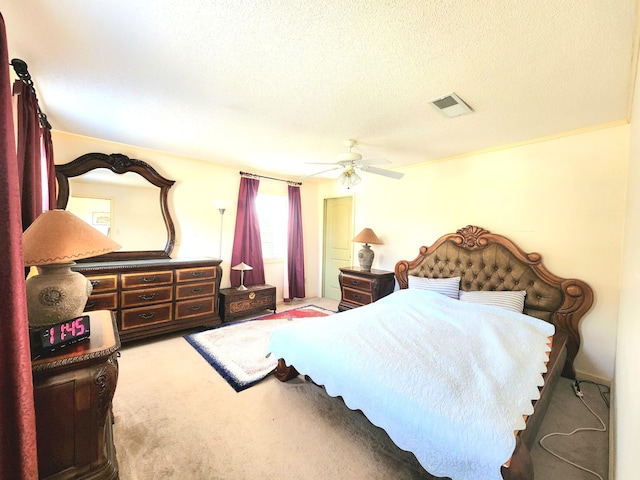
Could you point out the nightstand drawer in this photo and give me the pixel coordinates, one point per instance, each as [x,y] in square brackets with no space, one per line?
[139,317]
[356,296]
[195,290]
[146,296]
[150,279]
[245,304]
[359,283]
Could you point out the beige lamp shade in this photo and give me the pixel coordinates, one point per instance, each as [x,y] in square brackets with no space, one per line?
[52,242]
[366,255]
[58,236]
[367,236]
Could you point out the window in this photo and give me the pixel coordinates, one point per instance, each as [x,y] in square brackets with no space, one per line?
[273,214]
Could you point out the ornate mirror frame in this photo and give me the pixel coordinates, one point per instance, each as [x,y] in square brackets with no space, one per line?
[120,164]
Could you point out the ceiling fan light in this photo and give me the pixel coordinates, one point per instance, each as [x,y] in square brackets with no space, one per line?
[354,179]
[342,179]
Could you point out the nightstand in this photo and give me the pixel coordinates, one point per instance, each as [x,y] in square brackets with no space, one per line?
[72,390]
[236,303]
[361,287]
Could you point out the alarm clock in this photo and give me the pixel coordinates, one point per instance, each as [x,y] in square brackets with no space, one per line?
[61,334]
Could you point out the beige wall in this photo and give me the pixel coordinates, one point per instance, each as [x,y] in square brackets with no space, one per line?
[626,439]
[192,203]
[561,197]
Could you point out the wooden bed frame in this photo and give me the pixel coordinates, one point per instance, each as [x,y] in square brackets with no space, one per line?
[486,261]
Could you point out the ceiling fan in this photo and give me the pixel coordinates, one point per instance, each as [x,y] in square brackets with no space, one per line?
[350,160]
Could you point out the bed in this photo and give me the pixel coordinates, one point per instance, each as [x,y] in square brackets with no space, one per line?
[379,375]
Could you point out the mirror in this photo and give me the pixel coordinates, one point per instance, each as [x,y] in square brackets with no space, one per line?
[122,197]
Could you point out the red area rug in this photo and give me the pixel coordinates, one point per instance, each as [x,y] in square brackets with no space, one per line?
[303,312]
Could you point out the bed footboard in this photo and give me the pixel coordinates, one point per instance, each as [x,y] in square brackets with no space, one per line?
[520,466]
[283,372]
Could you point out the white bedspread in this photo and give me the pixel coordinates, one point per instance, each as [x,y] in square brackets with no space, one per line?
[447,380]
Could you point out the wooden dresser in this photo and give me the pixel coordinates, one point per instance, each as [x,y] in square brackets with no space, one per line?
[236,303]
[361,287]
[72,389]
[151,297]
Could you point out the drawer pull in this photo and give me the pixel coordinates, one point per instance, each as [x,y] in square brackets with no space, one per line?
[147,316]
[355,282]
[199,273]
[196,290]
[356,296]
[195,308]
[91,304]
[95,283]
[152,278]
[148,296]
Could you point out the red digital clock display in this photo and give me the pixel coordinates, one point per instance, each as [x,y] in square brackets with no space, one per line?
[65,333]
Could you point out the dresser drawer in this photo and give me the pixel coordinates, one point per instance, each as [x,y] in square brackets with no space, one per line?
[358,283]
[145,296]
[149,279]
[103,283]
[190,308]
[193,274]
[195,290]
[356,296]
[140,317]
[102,301]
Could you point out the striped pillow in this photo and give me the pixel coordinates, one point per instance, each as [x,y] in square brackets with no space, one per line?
[509,300]
[445,286]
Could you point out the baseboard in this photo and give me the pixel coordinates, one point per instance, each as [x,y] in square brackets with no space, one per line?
[612,431]
[592,378]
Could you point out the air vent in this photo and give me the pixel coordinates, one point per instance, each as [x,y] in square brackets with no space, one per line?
[451,105]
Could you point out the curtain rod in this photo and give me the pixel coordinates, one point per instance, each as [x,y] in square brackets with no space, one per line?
[270,178]
[22,71]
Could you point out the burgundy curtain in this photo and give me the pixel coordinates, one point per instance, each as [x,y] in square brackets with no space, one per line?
[247,243]
[295,248]
[29,152]
[47,146]
[18,455]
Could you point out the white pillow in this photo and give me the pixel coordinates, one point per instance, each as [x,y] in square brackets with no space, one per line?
[446,286]
[510,300]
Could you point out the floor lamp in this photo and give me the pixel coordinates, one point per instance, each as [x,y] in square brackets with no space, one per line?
[221,206]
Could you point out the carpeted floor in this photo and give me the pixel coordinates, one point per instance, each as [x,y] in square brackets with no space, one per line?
[177,418]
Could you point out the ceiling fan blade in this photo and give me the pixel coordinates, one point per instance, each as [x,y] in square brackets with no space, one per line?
[321,163]
[380,171]
[373,161]
[323,171]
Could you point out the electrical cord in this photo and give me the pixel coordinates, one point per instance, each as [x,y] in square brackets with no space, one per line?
[578,392]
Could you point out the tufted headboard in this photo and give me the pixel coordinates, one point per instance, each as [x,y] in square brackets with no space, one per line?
[486,261]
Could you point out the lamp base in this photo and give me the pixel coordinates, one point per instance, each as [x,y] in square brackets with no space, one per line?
[242,287]
[365,257]
[57,294]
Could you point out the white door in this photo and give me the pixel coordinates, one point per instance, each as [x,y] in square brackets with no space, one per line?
[338,247]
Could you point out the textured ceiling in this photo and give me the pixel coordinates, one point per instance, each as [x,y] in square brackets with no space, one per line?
[272,84]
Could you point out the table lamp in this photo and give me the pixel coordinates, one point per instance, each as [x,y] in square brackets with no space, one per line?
[242,267]
[52,242]
[365,255]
